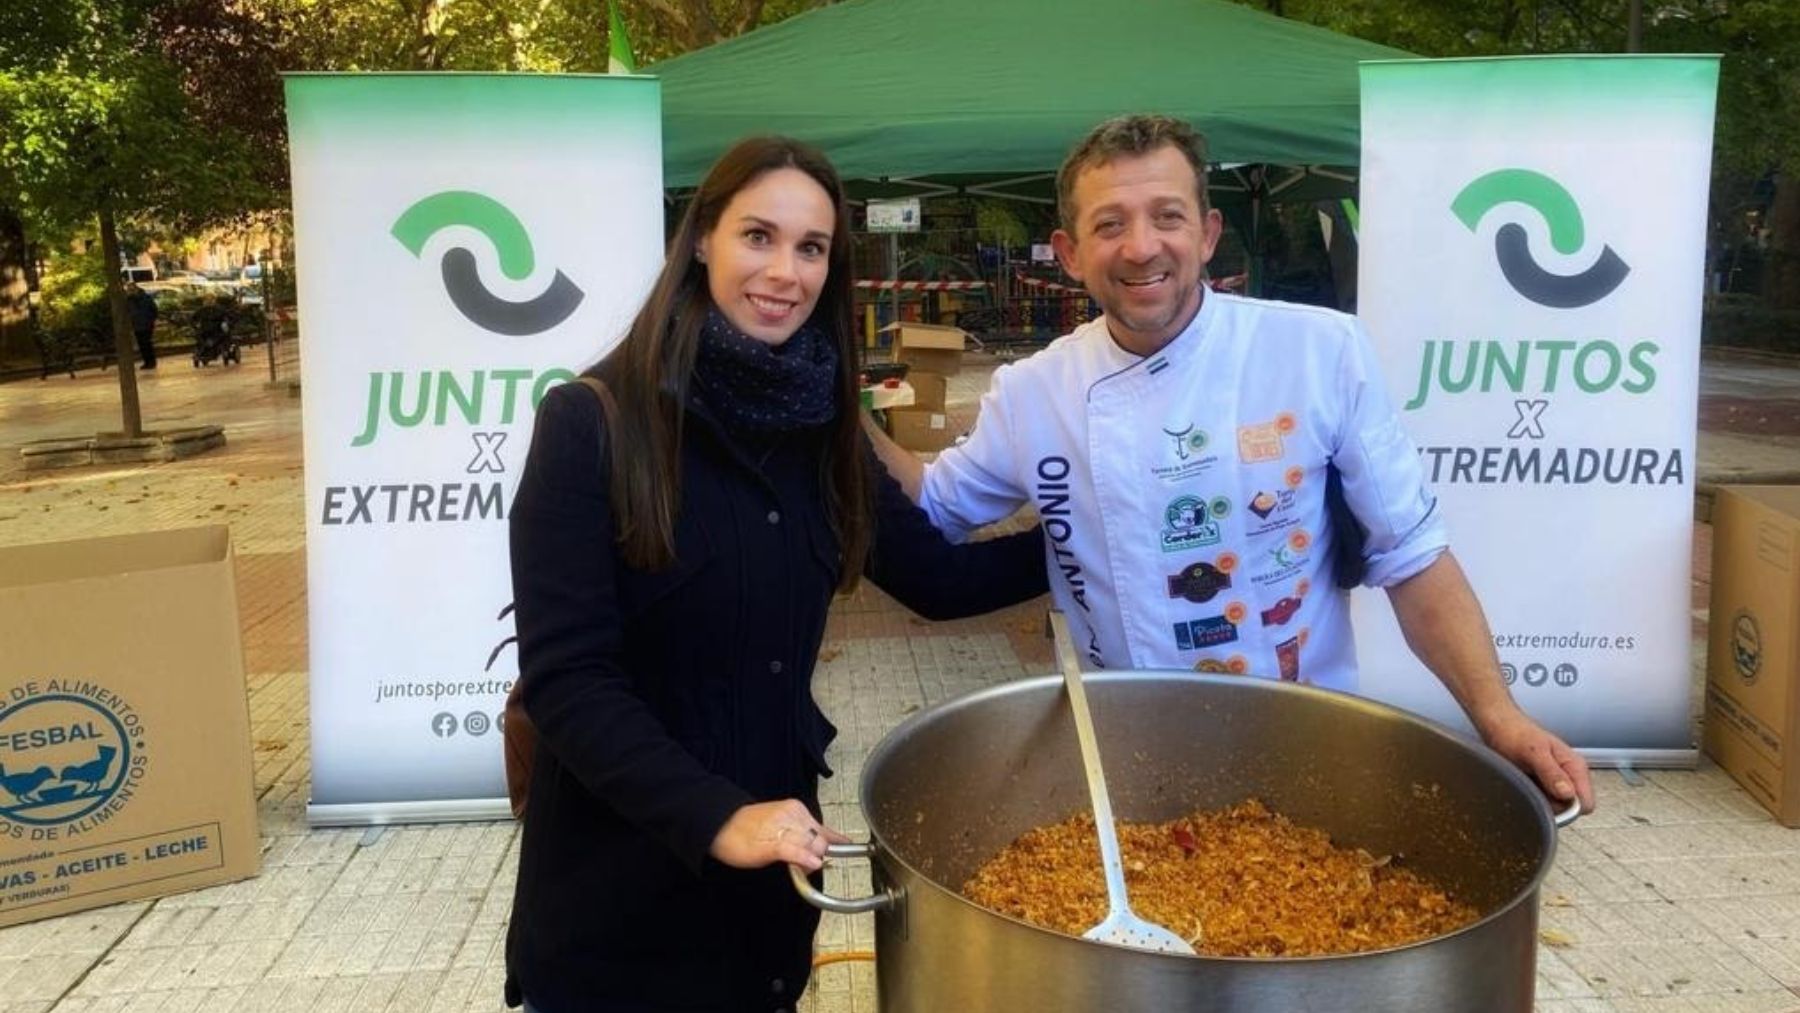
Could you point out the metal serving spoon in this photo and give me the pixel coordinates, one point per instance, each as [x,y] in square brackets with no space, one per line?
[1121,925]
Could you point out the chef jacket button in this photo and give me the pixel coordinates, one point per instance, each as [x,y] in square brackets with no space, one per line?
[774,517]
[777,986]
[775,668]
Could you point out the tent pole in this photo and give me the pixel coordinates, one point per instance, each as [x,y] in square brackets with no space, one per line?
[894,270]
[1255,286]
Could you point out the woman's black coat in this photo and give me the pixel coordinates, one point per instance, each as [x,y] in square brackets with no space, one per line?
[666,700]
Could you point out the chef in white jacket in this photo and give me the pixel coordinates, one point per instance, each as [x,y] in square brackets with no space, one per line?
[1179,449]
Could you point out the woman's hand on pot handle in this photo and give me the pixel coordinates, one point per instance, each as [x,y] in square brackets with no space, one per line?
[769,832]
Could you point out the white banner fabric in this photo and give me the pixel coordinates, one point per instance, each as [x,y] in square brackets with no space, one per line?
[464,242]
[1533,235]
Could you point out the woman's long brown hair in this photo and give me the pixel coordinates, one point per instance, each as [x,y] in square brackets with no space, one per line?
[649,371]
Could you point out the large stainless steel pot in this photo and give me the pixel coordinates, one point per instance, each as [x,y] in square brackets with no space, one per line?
[951,786]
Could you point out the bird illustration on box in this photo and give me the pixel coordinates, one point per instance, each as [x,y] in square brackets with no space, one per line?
[92,772]
[24,787]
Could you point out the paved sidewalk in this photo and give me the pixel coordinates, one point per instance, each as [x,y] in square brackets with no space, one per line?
[1679,895]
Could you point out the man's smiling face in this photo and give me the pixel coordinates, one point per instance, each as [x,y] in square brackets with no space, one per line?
[1140,243]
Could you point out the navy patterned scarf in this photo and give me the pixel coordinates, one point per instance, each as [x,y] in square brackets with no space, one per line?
[750,385]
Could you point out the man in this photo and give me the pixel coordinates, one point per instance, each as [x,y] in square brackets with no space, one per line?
[1178,451]
[141,308]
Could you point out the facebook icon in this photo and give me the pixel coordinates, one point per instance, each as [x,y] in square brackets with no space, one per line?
[443,724]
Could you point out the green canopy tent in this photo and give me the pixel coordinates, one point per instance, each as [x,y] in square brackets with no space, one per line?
[985,97]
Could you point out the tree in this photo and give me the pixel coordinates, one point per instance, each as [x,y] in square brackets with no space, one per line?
[1758,137]
[167,115]
[228,57]
[1758,40]
[97,125]
[556,36]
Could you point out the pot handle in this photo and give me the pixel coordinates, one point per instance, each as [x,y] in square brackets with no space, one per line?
[1569,815]
[883,901]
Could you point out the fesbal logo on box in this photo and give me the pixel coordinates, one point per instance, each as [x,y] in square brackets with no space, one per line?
[72,755]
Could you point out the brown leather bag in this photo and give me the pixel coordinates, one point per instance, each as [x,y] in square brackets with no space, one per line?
[517,731]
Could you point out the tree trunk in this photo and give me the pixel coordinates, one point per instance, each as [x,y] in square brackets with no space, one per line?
[1781,277]
[15,282]
[132,418]
[748,17]
[1509,23]
[689,22]
[428,52]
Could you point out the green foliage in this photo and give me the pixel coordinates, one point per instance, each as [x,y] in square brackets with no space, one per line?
[94,117]
[1001,221]
[1472,27]
[1759,41]
[374,35]
[1745,321]
[71,282]
[74,320]
[1756,133]
[549,36]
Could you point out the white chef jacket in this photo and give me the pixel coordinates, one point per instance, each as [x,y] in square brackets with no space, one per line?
[1183,494]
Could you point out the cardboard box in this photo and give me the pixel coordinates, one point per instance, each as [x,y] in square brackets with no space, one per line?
[920,428]
[1753,648]
[125,765]
[929,390]
[928,348]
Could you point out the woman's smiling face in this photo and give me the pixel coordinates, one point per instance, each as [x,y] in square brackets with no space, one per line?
[768,257]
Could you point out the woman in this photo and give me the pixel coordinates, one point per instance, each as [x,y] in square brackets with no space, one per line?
[672,568]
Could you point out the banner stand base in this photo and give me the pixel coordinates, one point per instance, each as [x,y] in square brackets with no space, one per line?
[375,814]
[1641,759]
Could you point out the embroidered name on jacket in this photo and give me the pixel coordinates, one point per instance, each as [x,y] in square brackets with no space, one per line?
[1055,512]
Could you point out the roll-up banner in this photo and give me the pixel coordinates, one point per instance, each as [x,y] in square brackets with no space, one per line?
[464,243]
[1532,269]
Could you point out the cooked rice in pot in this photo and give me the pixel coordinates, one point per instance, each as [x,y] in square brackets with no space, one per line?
[1238,882]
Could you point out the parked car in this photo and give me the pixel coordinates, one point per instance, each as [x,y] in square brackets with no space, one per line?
[191,279]
[166,295]
[176,284]
[139,273]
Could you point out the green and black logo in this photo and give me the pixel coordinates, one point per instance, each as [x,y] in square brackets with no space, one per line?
[1548,198]
[461,280]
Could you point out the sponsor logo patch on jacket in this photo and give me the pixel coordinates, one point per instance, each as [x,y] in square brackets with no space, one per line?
[1199,582]
[1262,441]
[1191,522]
[1186,452]
[1198,634]
[1209,632]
